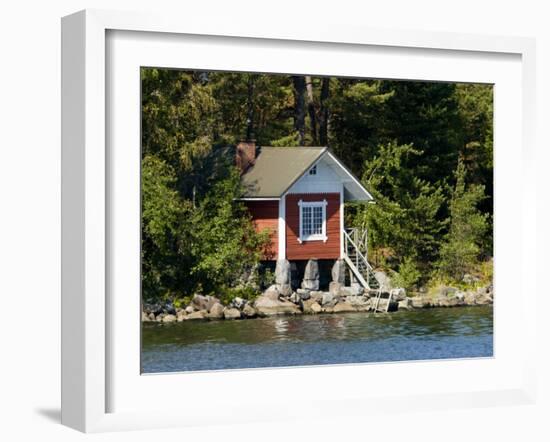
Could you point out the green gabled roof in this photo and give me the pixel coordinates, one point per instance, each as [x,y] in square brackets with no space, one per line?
[276,169]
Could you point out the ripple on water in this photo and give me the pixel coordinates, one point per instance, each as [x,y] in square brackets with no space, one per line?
[313,340]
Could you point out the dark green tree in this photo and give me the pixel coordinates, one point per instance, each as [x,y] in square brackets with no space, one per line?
[225,244]
[406,221]
[463,244]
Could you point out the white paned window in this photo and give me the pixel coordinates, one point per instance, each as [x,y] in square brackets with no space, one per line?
[313,220]
[313,170]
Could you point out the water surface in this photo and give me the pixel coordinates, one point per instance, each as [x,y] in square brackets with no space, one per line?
[322,339]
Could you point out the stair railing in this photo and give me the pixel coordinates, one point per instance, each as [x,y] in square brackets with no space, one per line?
[348,241]
[359,237]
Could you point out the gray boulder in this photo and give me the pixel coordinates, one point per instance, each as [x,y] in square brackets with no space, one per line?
[303,294]
[446,301]
[201,314]
[310,284]
[216,312]
[405,304]
[285,289]
[469,298]
[211,300]
[355,289]
[249,311]
[315,308]
[272,293]
[360,303]
[201,302]
[283,277]
[344,307]
[169,318]
[181,316]
[282,272]
[384,281]
[231,313]
[421,302]
[310,307]
[317,296]
[311,275]
[398,294]
[484,299]
[328,300]
[336,289]
[266,306]
[312,269]
[339,272]
[189,309]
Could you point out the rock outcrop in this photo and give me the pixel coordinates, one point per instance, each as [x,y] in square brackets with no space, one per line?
[269,304]
[277,300]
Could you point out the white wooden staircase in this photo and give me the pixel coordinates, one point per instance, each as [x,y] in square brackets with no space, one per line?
[355,252]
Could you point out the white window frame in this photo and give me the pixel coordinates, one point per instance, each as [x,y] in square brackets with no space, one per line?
[315,237]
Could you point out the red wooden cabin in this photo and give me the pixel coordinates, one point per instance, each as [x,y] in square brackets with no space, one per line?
[299,193]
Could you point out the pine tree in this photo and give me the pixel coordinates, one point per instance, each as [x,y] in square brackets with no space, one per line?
[463,244]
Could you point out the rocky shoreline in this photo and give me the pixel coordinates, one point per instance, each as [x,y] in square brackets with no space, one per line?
[342,299]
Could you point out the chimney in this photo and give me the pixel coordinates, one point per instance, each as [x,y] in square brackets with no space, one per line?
[245,154]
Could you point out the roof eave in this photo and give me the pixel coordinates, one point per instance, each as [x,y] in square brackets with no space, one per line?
[363,190]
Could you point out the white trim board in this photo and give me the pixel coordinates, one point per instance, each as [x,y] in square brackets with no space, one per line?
[281,229]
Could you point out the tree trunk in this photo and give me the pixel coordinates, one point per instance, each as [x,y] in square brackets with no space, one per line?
[311,109]
[323,112]
[299,108]
[250,108]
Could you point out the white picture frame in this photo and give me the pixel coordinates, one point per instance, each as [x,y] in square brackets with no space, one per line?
[87,207]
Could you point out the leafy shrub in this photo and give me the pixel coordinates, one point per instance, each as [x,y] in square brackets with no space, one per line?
[227,294]
[408,275]
[267,278]
[462,247]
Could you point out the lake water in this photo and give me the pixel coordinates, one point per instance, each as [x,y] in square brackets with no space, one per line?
[440,333]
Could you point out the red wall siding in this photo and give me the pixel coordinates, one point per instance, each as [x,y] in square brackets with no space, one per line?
[313,249]
[266,216]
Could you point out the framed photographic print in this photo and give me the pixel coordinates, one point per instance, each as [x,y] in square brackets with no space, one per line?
[288,216]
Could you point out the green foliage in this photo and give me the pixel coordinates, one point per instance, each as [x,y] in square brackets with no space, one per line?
[408,275]
[357,110]
[228,294]
[404,139]
[267,278]
[475,103]
[463,244]
[406,220]
[178,116]
[225,243]
[162,229]
[287,141]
